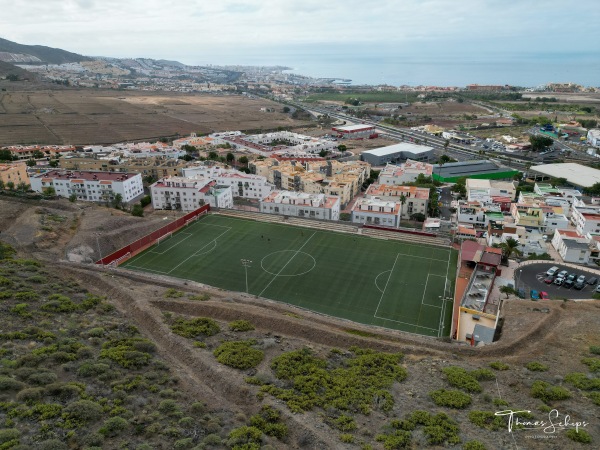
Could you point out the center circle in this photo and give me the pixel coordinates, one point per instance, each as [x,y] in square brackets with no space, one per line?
[288,263]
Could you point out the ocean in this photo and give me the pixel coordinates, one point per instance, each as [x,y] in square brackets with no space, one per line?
[365,67]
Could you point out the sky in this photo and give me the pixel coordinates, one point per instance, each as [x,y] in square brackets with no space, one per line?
[258,31]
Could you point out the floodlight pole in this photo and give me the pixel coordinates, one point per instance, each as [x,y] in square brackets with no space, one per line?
[246,263]
[99,253]
[519,278]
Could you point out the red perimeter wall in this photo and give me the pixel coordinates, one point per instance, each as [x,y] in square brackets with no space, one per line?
[396,230]
[146,241]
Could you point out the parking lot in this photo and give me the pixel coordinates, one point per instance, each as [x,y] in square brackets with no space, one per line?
[532,277]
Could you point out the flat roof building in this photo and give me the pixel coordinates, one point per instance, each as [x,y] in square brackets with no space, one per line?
[483,169]
[396,153]
[575,174]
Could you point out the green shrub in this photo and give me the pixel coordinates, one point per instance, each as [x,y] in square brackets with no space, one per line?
[460,378]
[195,327]
[42,378]
[535,366]
[52,444]
[92,369]
[8,435]
[592,363]
[173,293]
[594,397]
[499,402]
[113,426]
[347,438]
[83,411]
[28,296]
[241,325]
[583,381]
[245,438]
[199,297]
[398,440]
[183,444]
[546,392]
[483,374]
[10,384]
[497,365]
[239,354]
[129,352]
[595,349]
[169,408]
[579,436]
[474,445]
[450,399]
[268,421]
[22,310]
[487,420]
[30,395]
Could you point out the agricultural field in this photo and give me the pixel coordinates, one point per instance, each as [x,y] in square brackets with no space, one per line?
[82,117]
[395,284]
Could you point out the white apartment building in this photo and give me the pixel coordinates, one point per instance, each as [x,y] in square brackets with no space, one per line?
[188,194]
[242,184]
[572,246]
[555,222]
[90,186]
[374,211]
[416,199]
[301,204]
[593,137]
[486,190]
[404,173]
[586,218]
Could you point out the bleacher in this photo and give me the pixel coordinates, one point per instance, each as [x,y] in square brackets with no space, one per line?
[322,225]
[406,237]
[261,217]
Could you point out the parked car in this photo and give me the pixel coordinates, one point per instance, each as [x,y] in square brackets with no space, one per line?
[559,281]
[579,286]
[597,290]
[551,271]
[592,281]
[549,280]
[563,274]
[572,277]
[568,283]
[535,295]
[544,295]
[521,292]
[581,279]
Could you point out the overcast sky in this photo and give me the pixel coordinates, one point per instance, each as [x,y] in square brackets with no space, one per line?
[223,31]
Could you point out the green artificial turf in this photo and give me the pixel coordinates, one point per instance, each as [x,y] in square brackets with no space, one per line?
[373,281]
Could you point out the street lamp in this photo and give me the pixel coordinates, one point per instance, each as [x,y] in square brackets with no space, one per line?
[246,263]
[519,278]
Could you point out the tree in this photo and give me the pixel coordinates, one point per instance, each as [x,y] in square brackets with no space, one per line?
[509,248]
[10,185]
[445,159]
[186,157]
[507,290]
[53,163]
[137,210]
[446,144]
[243,160]
[286,109]
[323,153]
[402,203]
[6,155]
[539,143]
[38,154]
[2,185]
[419,217]
[117,201]
[213,155]
[73,198]
[342,148]
[31,162]
[23,187]
[49,191]
[149,179]
[230,157]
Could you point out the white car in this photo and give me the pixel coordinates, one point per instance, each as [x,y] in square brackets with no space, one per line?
[551,271]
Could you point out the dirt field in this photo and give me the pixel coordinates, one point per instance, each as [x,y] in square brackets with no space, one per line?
[82,117]
[557,334]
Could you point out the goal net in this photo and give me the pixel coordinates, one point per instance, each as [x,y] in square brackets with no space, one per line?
[163,237]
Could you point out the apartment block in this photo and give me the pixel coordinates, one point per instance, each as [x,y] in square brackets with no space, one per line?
[301,204]
[416,199]
[188,194]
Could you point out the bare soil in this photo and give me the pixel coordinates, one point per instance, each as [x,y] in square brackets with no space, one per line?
[82,117]
[557,334]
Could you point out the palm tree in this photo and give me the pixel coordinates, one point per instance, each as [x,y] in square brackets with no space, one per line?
[402,201]
[510,247]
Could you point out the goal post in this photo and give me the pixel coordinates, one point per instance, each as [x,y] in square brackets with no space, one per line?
[193,219]
[163,237]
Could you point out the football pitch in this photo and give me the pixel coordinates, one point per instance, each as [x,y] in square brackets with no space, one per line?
[393,284]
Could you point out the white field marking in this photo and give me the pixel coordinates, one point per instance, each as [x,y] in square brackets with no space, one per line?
[425,291]
[293,275]
[289,261]
[386,285]
[213,241]
[377,277]
[405,323]
[172,246]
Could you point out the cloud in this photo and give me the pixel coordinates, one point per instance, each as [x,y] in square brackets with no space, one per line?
[190,29]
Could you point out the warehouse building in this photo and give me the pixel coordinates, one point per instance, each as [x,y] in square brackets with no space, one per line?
[355,131]
[482,169]
[397,153]
[576,174]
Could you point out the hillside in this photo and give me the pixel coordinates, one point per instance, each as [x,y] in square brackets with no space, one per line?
[45,55]
[7,69]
